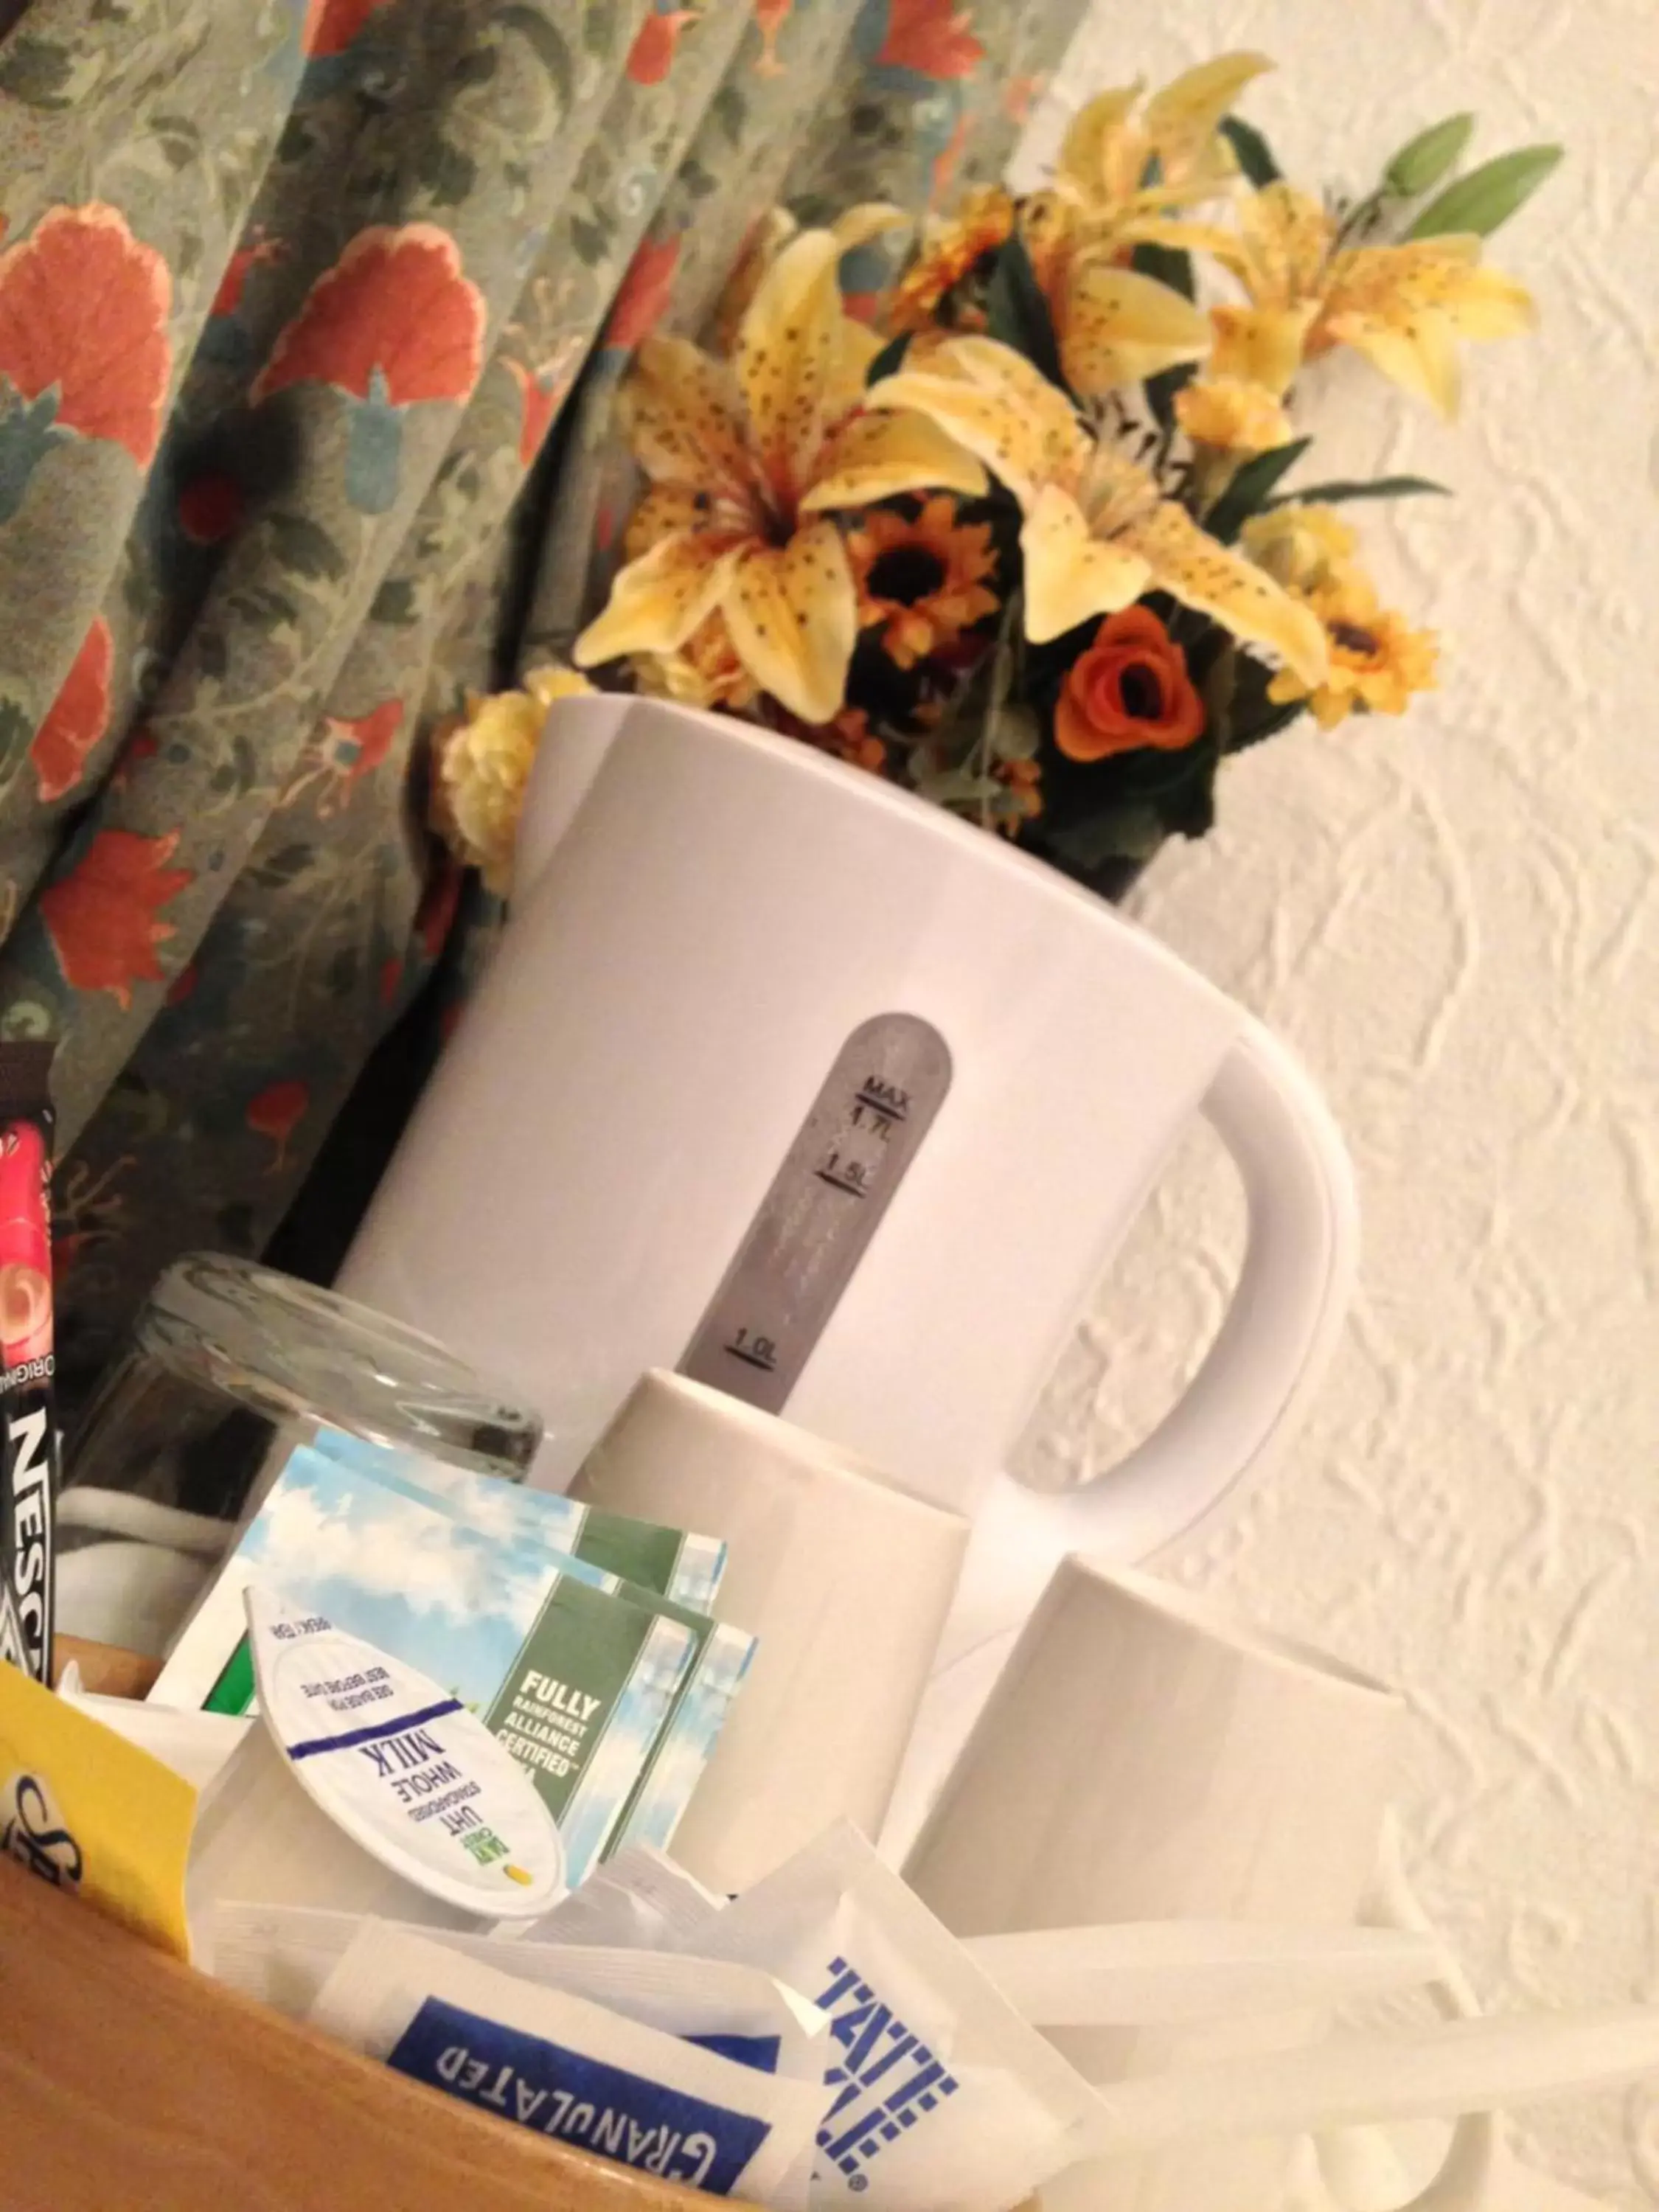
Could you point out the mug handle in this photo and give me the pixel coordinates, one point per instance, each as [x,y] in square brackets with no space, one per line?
[1478,2159]
[1470,2179]
[1258,1376]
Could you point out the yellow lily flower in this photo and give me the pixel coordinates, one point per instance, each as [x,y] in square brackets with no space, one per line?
[1404,307]
[746,461]
[1101,171]
[1098,531]
[1114,326]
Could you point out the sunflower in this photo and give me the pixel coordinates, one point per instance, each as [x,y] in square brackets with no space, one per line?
[1377,662]
[951,251]
[922,577]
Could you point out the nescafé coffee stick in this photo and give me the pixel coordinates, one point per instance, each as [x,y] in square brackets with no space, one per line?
[29,1415]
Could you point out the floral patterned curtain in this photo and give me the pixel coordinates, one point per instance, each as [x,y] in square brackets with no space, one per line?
[293,293]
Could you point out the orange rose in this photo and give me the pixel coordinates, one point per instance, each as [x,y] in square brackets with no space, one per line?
[1130,688]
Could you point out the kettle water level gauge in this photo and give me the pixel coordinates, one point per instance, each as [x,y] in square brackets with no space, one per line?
[834,1183]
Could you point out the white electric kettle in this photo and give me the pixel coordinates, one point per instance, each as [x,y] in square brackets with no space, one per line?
[785,1079]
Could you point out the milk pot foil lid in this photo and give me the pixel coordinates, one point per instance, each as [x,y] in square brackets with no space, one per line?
[402,1767]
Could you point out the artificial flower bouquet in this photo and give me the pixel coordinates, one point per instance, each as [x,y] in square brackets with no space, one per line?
[1040,545]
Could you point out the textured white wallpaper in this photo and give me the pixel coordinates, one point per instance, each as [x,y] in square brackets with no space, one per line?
[1456,921]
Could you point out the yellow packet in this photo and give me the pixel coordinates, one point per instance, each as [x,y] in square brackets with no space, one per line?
[91,1812]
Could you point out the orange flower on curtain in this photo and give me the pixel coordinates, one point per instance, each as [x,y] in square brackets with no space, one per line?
[652,55]
[394,322]
[348,748]
[83,342]
[103,918]
[76,718]
[643,296]
[276,1113]
[931,37]
[544,390]
[331,25]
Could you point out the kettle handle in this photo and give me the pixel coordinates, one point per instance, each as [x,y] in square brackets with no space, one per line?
[1257,1379]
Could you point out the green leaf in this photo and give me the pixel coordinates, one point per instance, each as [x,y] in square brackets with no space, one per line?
[888,361]
[1246,734]
[1250,489]
[1340,488]
[263,609]
[550,49]
[1255,155]
[178,138]
[16,736]
[1165,264]
[1129,831]
[1017,312]
[285,866]
[730,111]
[238,770]
[958,786]
[304,549]
[1217,692]
[448,173]
[38,73]
[1488,196]
[31,433]
[1422,162]
[1017,734]
[1163,389]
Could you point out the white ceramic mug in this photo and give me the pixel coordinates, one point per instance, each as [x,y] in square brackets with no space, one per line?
[845,1579]
[1145,1757]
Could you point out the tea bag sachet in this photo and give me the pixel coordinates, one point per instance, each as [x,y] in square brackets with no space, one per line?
[575,1671]
[674,1562]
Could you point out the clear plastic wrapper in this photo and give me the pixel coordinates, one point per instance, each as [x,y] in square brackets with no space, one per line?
[283,1955]
[641,1900]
